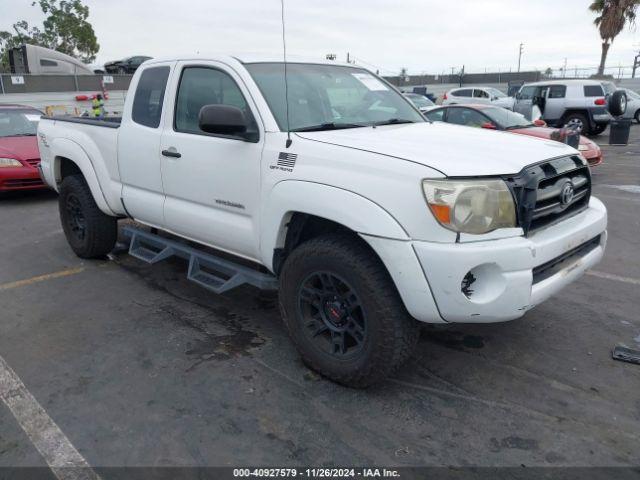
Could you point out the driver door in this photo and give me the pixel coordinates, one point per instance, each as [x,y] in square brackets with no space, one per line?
[211,181]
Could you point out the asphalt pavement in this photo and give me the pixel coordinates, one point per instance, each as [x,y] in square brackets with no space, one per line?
[136,366]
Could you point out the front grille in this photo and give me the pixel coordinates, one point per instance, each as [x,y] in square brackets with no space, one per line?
[546,270]
[34,162]
[551,191]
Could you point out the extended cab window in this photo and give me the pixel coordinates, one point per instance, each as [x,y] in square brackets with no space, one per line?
[593,91]
[147,104]
[200,86]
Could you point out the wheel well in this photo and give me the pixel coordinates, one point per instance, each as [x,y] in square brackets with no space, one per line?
[67,167]
[300,228]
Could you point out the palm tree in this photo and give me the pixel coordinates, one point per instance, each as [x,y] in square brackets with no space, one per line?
[612,17]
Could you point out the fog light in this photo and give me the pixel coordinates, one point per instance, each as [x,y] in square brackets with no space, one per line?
[484,283]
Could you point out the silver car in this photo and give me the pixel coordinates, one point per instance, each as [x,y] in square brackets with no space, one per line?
[633,105]
[477,96]
[578,103]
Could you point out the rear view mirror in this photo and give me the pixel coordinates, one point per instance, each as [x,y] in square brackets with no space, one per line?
[539,122]
[222,120]
[488,125]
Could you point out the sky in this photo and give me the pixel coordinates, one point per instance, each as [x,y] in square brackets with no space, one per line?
[424,36]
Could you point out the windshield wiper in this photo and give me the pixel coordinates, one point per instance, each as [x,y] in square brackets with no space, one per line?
[327,126]
[22,135]
[393,121]
[514,127]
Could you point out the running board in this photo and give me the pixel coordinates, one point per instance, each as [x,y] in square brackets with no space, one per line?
[207,270]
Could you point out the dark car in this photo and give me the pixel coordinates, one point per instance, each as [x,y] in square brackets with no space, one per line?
[126,65]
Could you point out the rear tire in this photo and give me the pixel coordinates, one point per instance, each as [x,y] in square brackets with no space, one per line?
[579,120]
[90,232]
[637,116]
[343,312]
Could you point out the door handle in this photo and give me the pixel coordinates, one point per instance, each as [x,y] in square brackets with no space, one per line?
[171,153]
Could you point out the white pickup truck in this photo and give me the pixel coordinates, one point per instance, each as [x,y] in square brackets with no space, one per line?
[367,217]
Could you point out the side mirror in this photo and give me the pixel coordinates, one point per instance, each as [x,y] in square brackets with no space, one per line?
[222,120]
[539,123]
[488,126]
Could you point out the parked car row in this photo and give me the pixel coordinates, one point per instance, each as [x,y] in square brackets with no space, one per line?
[586,105]
[498,118]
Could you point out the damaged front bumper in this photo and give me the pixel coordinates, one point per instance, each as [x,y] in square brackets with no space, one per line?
[499,280]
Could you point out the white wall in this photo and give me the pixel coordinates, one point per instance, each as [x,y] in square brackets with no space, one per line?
[41,100]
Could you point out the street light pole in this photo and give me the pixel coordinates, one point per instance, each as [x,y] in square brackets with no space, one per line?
[520,55]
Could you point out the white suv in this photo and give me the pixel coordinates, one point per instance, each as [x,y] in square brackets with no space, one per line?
[477,95]
[580,103]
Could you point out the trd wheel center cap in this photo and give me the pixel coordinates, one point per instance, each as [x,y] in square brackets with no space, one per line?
[334,311]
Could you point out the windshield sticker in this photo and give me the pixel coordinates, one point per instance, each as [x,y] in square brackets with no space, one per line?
[369,81]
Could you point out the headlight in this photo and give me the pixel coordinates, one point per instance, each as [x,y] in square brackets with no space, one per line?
[9,162]
[471,206]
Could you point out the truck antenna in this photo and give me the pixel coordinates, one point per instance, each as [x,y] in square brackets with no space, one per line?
[286,85]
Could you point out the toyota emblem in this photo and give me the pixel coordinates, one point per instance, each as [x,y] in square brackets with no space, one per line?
[567,193]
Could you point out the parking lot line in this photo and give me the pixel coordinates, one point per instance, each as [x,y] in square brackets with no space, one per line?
[63,459]
[617,278]
[40,278]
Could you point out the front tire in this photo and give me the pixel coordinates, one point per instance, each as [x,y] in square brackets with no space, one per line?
[89,231]
[637,116]
[343,311]
[598,129]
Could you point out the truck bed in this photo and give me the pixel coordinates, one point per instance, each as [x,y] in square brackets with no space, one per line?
[109,122]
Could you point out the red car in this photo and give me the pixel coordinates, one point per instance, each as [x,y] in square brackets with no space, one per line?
[19,155]
[498,118]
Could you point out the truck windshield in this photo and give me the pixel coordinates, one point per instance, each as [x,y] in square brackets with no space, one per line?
[18,123]
[329,97]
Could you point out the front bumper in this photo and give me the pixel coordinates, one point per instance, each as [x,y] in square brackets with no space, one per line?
[20,178]
[503,286]
[510,275]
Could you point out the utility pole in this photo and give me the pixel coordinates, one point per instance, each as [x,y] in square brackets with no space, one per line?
[520,55]
[636,64]
[564,69]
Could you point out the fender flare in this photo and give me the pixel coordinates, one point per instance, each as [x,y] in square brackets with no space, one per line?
[347,208]
[68,149]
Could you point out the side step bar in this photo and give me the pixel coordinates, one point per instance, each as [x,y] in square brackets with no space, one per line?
[207,270]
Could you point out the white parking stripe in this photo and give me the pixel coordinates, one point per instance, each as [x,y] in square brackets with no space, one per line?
[65,461]
[617,278]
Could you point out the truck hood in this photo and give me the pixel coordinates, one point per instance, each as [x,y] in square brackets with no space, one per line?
[454,150]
